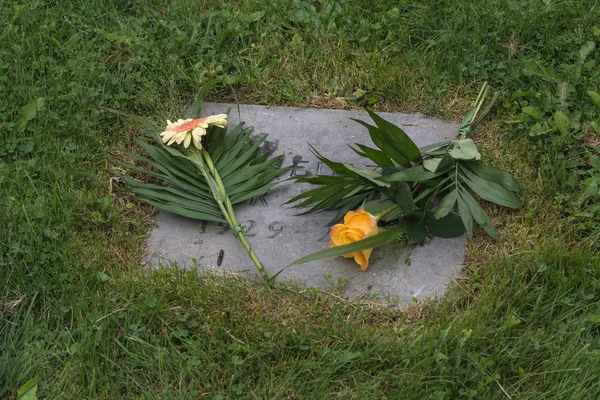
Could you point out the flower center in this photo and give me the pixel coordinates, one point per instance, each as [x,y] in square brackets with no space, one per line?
[189,125]
[352,235]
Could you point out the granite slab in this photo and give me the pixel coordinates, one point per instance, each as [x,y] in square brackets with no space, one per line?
[396,273]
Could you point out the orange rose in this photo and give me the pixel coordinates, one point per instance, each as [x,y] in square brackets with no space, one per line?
[357,226]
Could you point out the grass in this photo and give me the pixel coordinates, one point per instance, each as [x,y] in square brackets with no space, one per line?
[522,321]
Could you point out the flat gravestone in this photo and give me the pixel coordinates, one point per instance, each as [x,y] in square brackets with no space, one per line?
[278,236]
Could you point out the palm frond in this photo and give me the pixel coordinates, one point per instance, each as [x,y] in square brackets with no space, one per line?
[245,173]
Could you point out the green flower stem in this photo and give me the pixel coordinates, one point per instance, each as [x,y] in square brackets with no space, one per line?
[473,111]
[210,173]
[385,212]
[259,266]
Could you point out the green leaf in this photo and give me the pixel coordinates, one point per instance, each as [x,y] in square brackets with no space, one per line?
[448,227]
[268,169]
[321,180]
[594,318]
[184,212]
[532,112]
[242,158]
[244,174]
[539,129]
[432,190]
[317,194]
[338,168]
[197,106]
[29,390]
[446,204]
[465,216]
[397,138]
[220,140]
[477,212]
[403,197]
[395,214]
[369,174]
[585,50]
[29,112]
[173,165]
[590,188]
[464,149]
[177,198]
[254,17]
[380,140]
[334,201]
[104,204]
[256,181]
[241,197]
[494,175]
[166,194]
[330,198]
[511,320]
[562,123]
[595,97]
[534,68]
[201,192]
[447,164]
[324,193]
[490,191]
[413,174]
[431,164]
[439,145]
[102,277]
[347,204]
[374,207]
[415,232]
[377,156]
[234,148]
[371,242]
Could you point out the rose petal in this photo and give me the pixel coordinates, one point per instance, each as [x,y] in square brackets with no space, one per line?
[335,234]
[362,258]
[342,234]
[363,221]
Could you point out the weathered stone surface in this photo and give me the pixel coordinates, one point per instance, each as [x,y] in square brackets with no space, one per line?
[279,236]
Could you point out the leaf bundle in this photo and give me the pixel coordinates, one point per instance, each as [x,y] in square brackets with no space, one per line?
[244,171]
[435,189]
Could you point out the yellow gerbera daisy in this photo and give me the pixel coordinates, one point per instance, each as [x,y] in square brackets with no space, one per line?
[187,130]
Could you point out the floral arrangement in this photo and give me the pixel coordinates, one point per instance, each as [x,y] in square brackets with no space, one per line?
[206,170]
[416,191]
[204,181]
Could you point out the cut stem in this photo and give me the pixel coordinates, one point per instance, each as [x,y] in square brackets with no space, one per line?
[385,212]
[211,175]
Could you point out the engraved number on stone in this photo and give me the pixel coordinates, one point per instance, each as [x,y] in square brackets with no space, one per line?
[252,224]
[276,227]
[224,228]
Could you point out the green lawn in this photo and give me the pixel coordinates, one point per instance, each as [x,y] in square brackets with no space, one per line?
[77,310]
